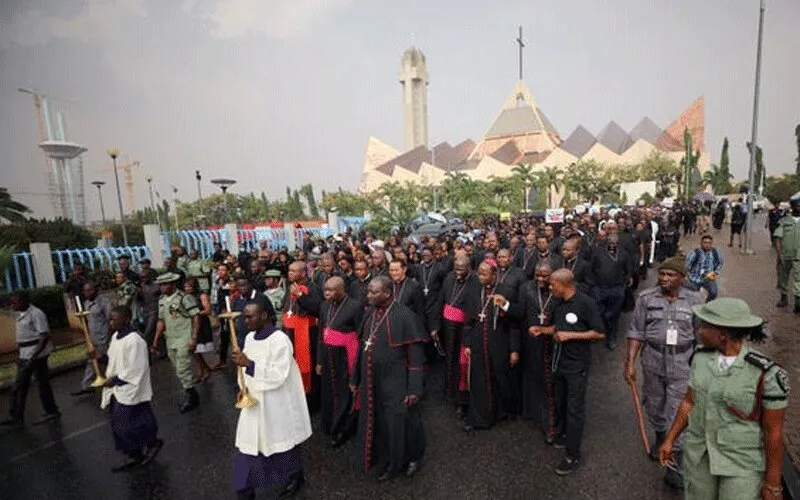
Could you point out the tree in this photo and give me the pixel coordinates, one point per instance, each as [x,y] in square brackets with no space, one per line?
[781,188]
[308,193]
[60,233]
[524,174]
[718,179]
[663,170]
[760,167]
[549,179]
[11,210]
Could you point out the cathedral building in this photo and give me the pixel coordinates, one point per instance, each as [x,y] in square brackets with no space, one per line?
[520,134]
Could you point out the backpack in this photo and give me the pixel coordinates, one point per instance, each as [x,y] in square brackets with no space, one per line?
[698,255]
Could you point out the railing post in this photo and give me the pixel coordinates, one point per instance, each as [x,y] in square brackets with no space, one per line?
[333,222]
[291,241]
[155,242]
[232,238]
[42,259]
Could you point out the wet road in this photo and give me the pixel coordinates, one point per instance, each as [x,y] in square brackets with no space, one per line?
[71,459]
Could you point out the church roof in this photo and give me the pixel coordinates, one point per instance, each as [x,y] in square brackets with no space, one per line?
[508,153]
[647,130]
[446,156]
[520,121]
[410,160]
[579,142]
[614,138]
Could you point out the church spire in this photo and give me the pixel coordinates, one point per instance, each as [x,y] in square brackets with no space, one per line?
[521,44]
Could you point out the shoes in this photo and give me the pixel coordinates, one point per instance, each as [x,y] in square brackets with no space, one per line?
[128,464]
[468,428]
[152,450]
[12,422]
[673,479]
[783,302]
[461,413]
[796,304]
[82,392]
[387,474]
[191,400]
[293,486]
[413,467]
[566,466]
[338,440]
[246,495]
[560,442]
[48,417]
[611,344]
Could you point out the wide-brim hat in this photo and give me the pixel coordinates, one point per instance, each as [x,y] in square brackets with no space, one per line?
[727,312]
[272,273]
[168,278]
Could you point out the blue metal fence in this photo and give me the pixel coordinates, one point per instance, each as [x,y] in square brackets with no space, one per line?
[20,274]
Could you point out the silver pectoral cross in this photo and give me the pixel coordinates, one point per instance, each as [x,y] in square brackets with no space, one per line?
[542,317]
[425,291]
[367,344]
[290,313]
[482,317]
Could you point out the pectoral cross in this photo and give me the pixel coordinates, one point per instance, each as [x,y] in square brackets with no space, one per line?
[368,344]
[425,291]
[290,313]
[482,317]
[542,317]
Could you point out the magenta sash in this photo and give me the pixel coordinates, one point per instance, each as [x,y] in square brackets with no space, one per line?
[463,370]
[348,340]
[453,314]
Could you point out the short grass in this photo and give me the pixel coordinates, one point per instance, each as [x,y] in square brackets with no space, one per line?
[60,357]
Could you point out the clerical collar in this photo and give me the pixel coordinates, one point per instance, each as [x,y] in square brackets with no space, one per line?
[121,334]
[264,332]
[546,254]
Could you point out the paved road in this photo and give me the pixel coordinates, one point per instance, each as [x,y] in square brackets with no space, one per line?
[71,459]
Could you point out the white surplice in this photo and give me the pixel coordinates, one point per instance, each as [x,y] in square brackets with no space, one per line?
[128,359]
[280,420]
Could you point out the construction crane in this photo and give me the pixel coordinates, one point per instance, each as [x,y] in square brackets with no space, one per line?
[127,171]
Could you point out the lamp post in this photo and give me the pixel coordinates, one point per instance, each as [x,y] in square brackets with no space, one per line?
[114,153]
[99,185]
[751,177]
[199,192]
[224,184]
[149,180]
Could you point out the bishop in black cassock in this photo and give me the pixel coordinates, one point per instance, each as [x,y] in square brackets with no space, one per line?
[339,321]
[389,381]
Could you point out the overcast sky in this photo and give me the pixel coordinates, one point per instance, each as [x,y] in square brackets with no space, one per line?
[277,92]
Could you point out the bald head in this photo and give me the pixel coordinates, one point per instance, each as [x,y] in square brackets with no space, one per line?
[334,289]
[297,272]
[563,276]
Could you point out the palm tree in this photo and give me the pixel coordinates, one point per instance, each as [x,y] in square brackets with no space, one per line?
[550,179]
[524,173]
[718,179]
[10,210]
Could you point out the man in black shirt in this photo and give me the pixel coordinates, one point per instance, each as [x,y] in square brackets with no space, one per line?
[576,323]
[612,271]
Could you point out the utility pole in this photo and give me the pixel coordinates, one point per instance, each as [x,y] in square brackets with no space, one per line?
[751,178]
[199,192]
[149,179]
[114,153]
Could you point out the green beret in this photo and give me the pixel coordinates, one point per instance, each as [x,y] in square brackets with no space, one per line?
[674,264]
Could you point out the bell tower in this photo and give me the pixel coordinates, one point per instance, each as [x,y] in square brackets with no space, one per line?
[414,80]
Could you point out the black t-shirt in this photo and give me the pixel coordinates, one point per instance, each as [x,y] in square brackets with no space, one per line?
[578,314]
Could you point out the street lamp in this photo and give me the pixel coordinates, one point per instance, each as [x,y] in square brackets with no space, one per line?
[149,180]
[751,177]
[224,184]
[114,153]
[99,185]
[199,192]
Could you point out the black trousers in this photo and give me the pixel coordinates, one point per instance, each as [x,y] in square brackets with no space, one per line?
[570,389]
[19,392]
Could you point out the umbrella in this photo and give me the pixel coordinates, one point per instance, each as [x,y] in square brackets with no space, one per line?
[704,196]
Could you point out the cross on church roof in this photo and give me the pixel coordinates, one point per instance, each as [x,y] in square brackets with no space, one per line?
[521,44]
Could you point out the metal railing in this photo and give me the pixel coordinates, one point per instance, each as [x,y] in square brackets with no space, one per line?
[19,274]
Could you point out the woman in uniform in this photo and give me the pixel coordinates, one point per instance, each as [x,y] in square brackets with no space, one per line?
[733,411]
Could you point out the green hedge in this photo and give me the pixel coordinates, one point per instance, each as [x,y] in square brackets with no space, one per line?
[50,300]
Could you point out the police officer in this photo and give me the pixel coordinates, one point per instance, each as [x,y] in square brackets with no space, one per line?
[787,244]
[200,269]
[733,411]
[179,322]
[275,293]
[663,331]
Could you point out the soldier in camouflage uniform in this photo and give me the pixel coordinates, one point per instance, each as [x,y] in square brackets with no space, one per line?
[179,322]
[664,332]
[200,269]
[787,244]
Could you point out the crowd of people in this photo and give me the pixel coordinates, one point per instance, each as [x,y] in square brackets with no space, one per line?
[350,327]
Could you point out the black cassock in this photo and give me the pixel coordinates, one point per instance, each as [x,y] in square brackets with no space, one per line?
[337,353]
[536,356]
[491,341]
[463,296]
[409,293]
[430,277]
[358,289]
[390,367]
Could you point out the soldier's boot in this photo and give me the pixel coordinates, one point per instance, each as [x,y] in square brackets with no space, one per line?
[673,477]
[191,399]
[660,435]
[783,302]
[797,304]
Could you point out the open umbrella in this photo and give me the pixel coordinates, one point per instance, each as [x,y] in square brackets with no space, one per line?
[704,196]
